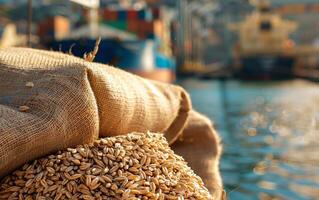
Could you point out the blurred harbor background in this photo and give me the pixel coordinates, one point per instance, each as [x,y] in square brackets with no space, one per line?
[252,66]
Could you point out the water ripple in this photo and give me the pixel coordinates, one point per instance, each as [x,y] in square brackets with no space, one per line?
[270,133]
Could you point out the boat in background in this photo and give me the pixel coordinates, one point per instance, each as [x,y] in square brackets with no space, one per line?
[264,50]
[136,40]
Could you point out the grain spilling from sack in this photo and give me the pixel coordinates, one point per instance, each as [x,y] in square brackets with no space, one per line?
[133,166]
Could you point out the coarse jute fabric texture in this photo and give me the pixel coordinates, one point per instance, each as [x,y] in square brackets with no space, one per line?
[199,145]
[50,101]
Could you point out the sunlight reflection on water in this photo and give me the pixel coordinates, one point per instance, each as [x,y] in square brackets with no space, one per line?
[270,136]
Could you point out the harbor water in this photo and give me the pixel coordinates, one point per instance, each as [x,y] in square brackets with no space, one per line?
[270,133]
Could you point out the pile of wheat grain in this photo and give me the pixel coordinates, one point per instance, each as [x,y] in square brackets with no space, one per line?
[134,166]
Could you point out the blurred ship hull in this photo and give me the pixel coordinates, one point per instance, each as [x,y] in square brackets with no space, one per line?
[137,56]
[266,67]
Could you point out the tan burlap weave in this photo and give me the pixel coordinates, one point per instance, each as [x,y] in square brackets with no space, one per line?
[200,146]
[73,102]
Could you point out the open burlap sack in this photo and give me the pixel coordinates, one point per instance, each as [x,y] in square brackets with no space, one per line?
[50,101]
[199,145]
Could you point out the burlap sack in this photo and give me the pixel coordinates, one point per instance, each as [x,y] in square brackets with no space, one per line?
[200,146]
[67,101]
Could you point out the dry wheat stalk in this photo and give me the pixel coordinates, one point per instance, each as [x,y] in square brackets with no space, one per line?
[91,55]
[135,166]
